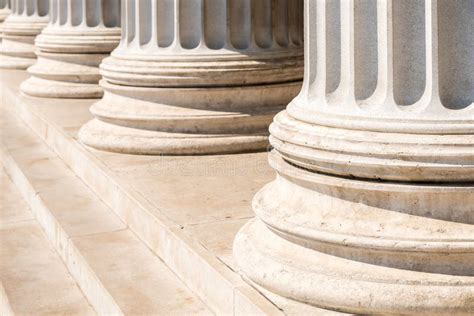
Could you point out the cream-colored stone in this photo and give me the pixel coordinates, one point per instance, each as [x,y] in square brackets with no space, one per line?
[12,206]
[372,210]
[197,77]
[19,30]
[200,268]
[138,280]
[34,280]
[247,303]
[71,48]
[22,142]
[295,308]
[217,236]
[79,212]
[206,179]
[130,279]
[5,307]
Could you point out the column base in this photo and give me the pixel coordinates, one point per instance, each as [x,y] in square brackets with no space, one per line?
[10,62]
[17,52]
[44,88]
[115,138]
[185,121]
[361,246]
[335,283]
[64,76]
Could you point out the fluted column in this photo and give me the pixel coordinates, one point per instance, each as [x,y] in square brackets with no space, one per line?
[4,10]
[27,19]
[198,76]
[372,209]
[70,49]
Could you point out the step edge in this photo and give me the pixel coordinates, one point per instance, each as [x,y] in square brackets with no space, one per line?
[95,292]
[58,140]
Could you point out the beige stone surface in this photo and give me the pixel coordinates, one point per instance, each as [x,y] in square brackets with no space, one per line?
[139,282]
[34,279]
[19,31]
[217,236]
[196,249]
[114,269]
[213,188]
[372,209]
[13,207]
[71,47]
[210,88]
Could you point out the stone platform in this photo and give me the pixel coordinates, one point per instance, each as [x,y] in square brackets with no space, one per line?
[134,213]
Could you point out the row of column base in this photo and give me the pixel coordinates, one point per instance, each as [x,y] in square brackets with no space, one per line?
[160,100]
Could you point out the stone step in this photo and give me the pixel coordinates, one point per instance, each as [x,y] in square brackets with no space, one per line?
[34,280]
[186,209]
[156,215]
[117,273]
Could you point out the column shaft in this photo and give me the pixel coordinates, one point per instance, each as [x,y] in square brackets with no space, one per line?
[70,49]
[19,30]
[198,76]
[372,210]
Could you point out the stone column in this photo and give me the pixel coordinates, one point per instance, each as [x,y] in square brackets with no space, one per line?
[198,76]
[79,35]
[372,209]
[27,19]
[4,10]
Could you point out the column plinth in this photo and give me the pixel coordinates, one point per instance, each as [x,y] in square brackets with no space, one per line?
[197,77]
[70,49]
[19,30]
[372,209]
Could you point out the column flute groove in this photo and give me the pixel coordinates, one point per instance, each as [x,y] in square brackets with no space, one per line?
[372,208]
[192,94]
[433,101]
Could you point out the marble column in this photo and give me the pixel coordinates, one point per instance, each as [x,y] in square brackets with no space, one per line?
[372,208]
[79,35]
[198,76]
[4,10]
[27,19]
